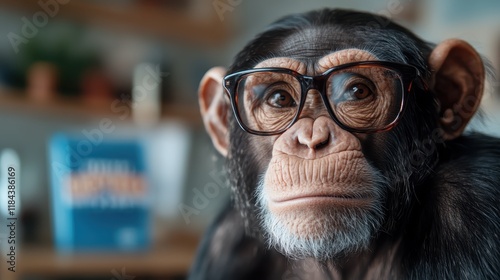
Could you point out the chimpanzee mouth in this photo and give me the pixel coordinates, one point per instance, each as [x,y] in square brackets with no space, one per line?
[355,199]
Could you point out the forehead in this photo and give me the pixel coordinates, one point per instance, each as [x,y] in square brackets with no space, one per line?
[315,42]
[308,44]
[314,50]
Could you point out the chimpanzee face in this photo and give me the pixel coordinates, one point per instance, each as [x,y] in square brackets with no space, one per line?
[323,121]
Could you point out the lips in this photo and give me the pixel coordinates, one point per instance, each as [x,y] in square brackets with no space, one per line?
[323,198]
[332,196]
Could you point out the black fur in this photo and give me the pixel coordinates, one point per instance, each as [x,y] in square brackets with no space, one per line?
[443,207]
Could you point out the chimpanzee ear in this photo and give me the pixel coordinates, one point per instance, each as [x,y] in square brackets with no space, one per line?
[458,80]
[214,108]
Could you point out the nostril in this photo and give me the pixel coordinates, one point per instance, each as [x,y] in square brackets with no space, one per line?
[322,144]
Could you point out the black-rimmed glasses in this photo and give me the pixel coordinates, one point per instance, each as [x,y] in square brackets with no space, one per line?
[362,97]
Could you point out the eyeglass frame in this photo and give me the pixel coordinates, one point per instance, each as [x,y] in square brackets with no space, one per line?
[407,73]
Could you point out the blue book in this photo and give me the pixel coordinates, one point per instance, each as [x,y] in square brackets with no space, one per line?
[100,195]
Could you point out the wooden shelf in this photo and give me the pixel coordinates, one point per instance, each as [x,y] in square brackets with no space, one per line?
[16,102]
[165,260]
[161,23]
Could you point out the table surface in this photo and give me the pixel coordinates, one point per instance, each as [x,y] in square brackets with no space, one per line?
[172,258]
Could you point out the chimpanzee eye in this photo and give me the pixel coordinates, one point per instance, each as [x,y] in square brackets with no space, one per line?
[349,86]
[281,99]
[356,91]
[359,91]
[279,95]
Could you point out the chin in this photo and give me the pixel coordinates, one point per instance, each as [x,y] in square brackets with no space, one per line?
[323,227]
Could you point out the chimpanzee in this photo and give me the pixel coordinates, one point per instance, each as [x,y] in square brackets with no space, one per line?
[343,134]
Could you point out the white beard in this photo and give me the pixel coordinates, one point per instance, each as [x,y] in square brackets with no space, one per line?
[327,236]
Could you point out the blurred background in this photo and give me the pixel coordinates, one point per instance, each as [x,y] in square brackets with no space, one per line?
[114,174]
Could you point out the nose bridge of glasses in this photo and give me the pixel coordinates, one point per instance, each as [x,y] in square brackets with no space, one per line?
[313,91]
[313,83]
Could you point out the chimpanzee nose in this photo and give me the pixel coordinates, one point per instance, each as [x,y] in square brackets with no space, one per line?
[316,134]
